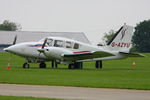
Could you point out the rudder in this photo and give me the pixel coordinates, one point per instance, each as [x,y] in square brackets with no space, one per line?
[122,40]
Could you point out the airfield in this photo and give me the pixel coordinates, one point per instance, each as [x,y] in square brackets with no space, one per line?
[116,74]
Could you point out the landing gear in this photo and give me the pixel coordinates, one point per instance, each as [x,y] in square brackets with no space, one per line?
[99,64]
[71,66]
[42,65]
[54,64]
[76,65]
[28,60]
[26,65]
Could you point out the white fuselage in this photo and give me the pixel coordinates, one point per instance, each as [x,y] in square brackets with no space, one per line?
[30,50]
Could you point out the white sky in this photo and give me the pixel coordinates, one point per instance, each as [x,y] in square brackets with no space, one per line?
[93,17]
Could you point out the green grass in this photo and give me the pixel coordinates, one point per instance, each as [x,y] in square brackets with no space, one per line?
[23,98]
[115,74]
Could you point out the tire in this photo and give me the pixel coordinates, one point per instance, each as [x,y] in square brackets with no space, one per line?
[42,65]
[56,65]
[81,65]
[52,64]
[97,64]
[26,65]
[71,66]
[77,65]
[101,64]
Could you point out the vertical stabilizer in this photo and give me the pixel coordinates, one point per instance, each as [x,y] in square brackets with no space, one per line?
[122,40]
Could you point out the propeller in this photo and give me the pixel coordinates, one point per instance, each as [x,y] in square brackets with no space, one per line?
[15,39]
[44,43]
[41,50]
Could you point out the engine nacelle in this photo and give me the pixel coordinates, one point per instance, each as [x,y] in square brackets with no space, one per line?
[55,53]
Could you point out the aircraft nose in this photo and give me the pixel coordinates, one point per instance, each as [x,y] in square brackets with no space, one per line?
[5,49]
[10,49]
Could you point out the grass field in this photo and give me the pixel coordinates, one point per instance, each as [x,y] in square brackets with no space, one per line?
[23,98]
[115,74]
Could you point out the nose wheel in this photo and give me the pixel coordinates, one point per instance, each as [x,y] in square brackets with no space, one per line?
[26,65]
[42,65]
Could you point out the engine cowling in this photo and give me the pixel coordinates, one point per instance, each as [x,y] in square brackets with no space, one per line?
[55,52]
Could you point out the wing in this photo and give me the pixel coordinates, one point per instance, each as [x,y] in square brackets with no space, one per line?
[82,55]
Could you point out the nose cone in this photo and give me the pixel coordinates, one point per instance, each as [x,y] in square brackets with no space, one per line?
[5,49]
[11,49]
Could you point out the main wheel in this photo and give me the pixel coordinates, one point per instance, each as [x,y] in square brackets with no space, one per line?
[71,66]
[42,65]
[97,64]
[52,64]
[26,65]
[81,65]
[56,65]
[101,64]
[78,65]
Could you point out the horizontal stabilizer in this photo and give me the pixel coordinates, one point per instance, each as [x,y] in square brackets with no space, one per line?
[132,54]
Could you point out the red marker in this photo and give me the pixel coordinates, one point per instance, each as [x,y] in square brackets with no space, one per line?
[8,67]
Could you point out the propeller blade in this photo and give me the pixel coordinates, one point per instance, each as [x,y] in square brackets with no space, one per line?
[42,49]
[15,39]
[44,43]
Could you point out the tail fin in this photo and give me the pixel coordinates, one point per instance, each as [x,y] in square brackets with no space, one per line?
[122,40]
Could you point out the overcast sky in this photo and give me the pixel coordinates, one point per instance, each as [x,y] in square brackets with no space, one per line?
[93,17]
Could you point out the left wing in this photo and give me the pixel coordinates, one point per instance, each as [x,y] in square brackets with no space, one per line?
[86,55]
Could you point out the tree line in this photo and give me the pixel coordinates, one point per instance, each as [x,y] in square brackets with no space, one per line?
[9,26]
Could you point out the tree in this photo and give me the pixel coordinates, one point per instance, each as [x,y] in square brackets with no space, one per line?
[9,26]
[141,38]
[108,36]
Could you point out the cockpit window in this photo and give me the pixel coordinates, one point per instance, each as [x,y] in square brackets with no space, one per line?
[68,44]
[58,43]
[76,46]
[50,42]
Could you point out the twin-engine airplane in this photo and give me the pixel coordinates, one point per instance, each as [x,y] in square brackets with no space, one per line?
[67,51]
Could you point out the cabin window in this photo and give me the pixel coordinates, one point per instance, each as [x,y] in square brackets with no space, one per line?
[50,42]
[68,44]
[58,43]
[76,46]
